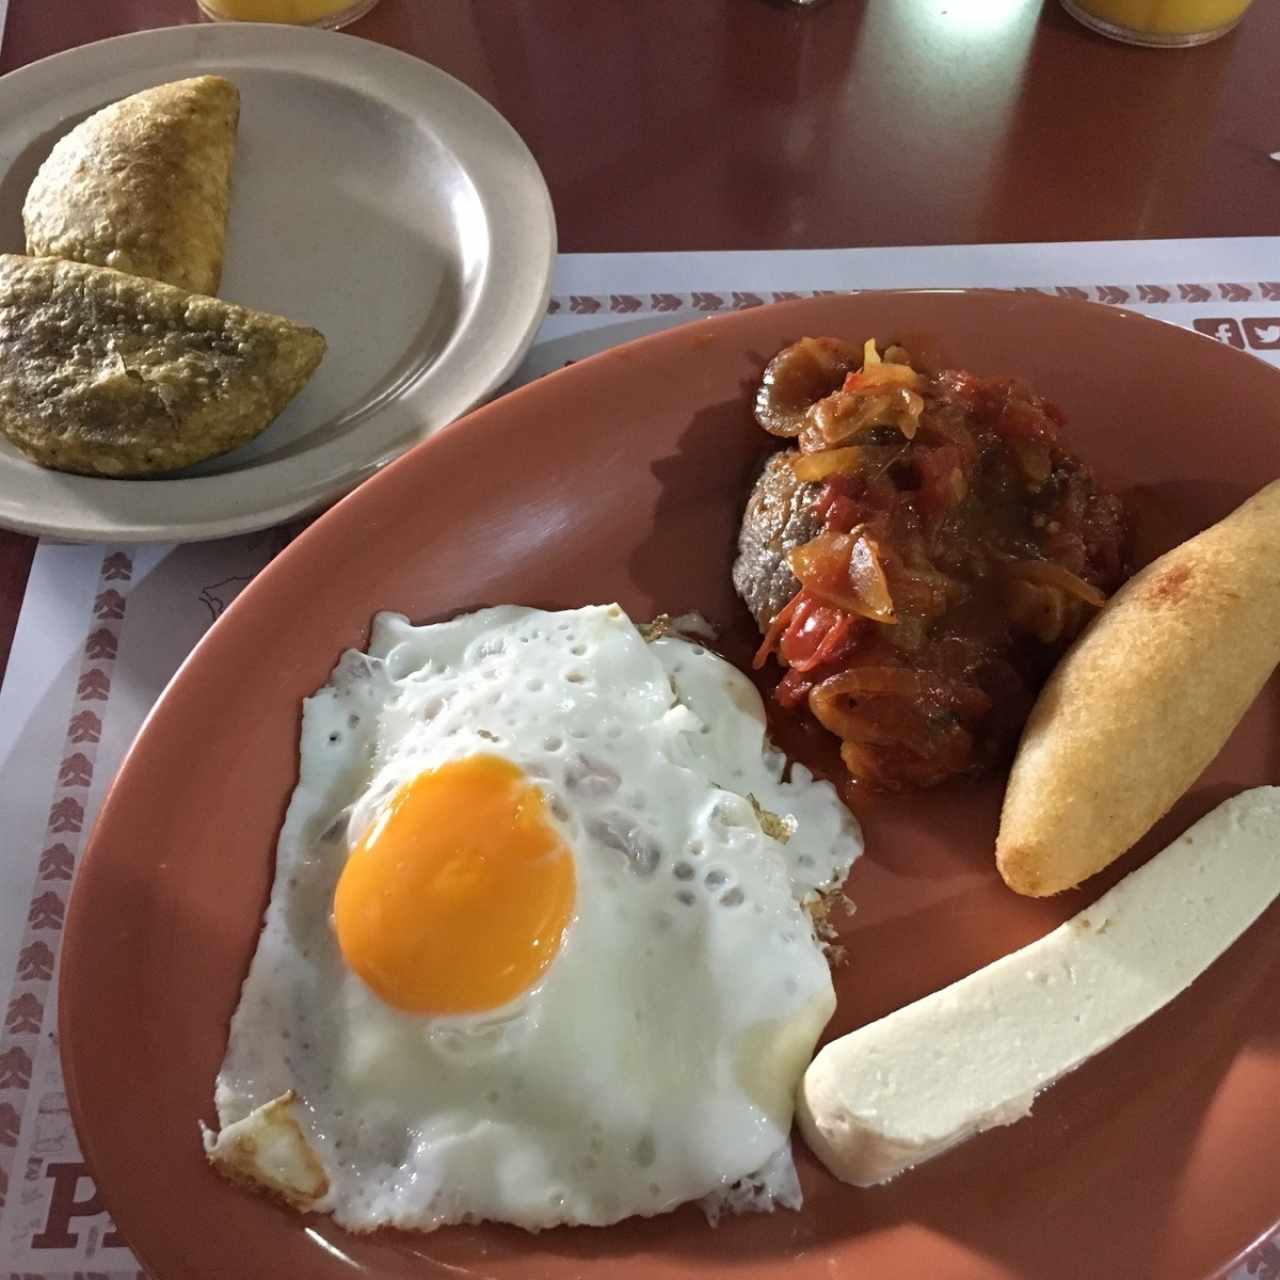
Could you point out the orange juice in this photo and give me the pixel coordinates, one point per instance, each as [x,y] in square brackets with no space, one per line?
[1160,21]
[300,12]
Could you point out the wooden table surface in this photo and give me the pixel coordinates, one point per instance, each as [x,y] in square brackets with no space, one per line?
[727,124]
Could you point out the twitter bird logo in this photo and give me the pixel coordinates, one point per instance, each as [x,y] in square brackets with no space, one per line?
[1263,333]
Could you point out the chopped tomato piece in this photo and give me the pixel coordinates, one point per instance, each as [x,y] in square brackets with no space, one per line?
[817,634]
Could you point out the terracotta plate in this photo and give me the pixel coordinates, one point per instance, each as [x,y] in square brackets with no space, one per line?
[622,479]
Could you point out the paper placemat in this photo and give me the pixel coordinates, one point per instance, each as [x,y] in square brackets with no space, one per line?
[103,628]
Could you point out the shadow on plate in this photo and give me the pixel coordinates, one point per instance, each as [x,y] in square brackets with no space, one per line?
[16,181]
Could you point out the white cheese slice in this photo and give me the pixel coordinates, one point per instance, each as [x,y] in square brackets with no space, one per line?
[974,1055]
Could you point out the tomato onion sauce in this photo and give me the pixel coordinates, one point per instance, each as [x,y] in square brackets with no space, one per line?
[961,548]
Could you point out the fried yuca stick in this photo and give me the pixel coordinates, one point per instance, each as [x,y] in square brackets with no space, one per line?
[1144,701]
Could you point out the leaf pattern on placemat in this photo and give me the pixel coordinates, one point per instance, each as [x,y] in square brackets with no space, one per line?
[35,963]
[57,862]
[84,727]
[75,771]
[109,604]
[117,567]
[8,1125]
[24,1014]
[46,911]
[15,1068]
[66,814]
[93,685]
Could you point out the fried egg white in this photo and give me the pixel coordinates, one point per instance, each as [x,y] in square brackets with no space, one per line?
[530,956]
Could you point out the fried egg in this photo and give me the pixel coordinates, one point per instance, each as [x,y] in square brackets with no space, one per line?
[531,955]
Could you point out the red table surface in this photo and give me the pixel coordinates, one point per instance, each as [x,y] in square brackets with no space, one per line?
[742,124]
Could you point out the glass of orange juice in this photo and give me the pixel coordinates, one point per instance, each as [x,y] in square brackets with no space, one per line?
[1171,23]
[303,13]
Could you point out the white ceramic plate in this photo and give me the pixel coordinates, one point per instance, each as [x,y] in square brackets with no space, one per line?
[374,197]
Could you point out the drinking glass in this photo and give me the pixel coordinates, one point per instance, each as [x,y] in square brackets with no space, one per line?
[303,13]
[1162,23]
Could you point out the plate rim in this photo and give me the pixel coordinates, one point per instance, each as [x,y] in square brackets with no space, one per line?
[497,331]
[79,914]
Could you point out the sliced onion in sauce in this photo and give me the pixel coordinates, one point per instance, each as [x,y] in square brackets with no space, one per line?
[844,569]
[1037,609]
[905,682]
[892,722]
[1050,574]
[797,377]
[866,577]
[884,375]
[876,681]
[828,462]
[844,415]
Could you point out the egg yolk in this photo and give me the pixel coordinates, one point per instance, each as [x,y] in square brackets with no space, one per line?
[456,899]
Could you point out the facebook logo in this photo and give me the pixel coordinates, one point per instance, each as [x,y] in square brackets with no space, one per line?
[1225,330]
